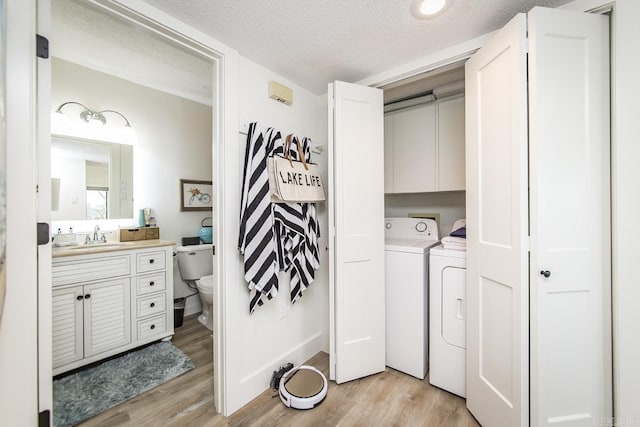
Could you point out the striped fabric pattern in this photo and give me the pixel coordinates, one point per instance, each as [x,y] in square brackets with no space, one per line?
[274,236]
[297,231]
[256,241]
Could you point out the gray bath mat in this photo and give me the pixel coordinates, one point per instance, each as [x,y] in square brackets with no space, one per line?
[84,394]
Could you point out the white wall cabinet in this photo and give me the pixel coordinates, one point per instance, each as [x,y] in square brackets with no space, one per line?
[101,307]
[424,148]
[451,161]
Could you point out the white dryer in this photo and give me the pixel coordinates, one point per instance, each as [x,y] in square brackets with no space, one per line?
[407,244]
[447,331]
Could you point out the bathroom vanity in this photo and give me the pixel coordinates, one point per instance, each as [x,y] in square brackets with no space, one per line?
[110,298]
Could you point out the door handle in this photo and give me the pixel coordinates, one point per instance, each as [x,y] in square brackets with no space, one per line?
[459,302]
[545,273]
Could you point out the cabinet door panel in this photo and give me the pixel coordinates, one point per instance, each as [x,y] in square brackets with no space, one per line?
[67,325]
[451,145]
[388,154]
[107,320]
[414,150]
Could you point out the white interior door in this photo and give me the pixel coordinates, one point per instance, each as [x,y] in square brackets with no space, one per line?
[497,264]
[356,220]
[570,221]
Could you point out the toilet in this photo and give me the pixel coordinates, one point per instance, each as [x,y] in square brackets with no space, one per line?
[195,263]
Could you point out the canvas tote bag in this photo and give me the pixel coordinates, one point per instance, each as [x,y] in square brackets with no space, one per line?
[294,181]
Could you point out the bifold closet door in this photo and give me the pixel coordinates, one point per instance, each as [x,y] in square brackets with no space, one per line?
[356,228]
[538,275]
[571,377]
[497,258]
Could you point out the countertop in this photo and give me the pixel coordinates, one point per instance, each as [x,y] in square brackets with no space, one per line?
[98,248]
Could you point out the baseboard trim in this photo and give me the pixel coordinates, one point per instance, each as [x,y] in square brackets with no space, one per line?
[257,381]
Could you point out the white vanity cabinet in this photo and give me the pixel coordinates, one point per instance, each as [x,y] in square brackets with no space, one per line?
[424,148]
[106,303]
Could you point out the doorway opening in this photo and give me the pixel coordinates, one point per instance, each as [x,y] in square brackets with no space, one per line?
[207,91]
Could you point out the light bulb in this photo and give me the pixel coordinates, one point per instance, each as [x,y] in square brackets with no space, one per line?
[431,7]
[427,8]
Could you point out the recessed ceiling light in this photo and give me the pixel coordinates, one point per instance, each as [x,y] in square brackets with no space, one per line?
[427,8]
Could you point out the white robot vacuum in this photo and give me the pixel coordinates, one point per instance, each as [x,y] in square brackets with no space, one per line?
[303,387]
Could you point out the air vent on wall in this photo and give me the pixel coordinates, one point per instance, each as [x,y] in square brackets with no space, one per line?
[280,93]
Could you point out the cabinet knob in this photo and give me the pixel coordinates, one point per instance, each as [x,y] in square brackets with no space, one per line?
[87,296]
[153,326]
[152,283]
[153,304]
[545,273]
[151,261]
[79,297]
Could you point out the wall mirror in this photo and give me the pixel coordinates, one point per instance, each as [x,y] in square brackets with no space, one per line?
[91,180]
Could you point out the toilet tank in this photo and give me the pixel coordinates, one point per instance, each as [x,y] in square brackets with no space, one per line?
[195,261]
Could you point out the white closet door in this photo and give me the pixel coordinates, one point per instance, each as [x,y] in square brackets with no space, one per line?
[356,217]
[570,231]
[497,269]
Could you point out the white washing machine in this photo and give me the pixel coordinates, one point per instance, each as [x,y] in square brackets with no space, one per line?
[407,244]
[447,331]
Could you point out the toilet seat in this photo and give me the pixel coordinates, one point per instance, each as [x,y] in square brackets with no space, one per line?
[205,283]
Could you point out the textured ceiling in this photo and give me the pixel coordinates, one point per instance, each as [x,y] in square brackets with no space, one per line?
[312,42]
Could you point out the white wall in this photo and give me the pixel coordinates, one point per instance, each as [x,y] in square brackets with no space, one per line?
[173,142]
[277,332]
[626,205]
[450,205]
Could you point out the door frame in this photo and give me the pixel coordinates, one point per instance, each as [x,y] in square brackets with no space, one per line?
[225,128]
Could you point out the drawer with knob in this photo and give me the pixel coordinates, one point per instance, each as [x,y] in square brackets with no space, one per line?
[152,304]
[150,283]
[150,261]
[156,325]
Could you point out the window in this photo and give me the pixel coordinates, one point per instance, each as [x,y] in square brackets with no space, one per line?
[97,203]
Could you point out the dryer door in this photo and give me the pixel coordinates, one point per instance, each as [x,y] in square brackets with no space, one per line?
[453,306]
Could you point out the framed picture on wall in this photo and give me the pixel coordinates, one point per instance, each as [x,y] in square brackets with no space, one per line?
[196,195]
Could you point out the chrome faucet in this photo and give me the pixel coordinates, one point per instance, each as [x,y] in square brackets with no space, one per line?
[95,233]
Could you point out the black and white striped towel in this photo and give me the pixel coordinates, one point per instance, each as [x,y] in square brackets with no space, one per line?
[274,236]
[257,241]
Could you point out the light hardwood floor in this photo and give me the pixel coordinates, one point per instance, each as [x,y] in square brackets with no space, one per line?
[387,399]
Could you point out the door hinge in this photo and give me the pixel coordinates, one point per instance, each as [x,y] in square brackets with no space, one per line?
[43,233]
[44,418]
[42,47]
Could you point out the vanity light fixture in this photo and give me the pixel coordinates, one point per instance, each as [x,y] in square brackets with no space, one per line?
[93,118]
[427,8]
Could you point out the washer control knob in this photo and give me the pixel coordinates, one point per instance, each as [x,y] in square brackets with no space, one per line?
[421,227]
